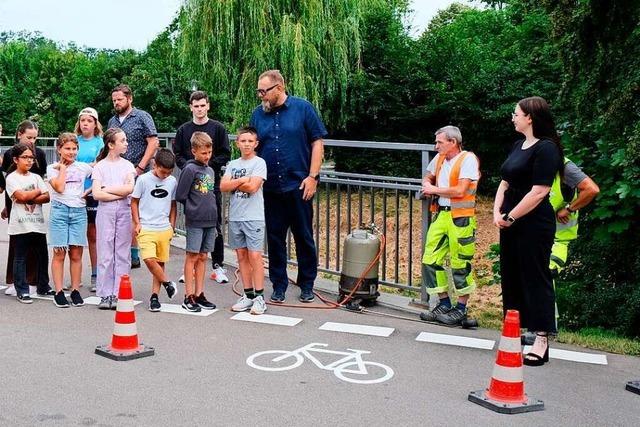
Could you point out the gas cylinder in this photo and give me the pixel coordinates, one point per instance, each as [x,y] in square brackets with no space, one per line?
[360,249]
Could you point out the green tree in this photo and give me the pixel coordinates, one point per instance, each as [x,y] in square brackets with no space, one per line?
[225,45]
[599,44]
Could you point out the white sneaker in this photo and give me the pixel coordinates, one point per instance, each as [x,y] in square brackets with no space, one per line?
[219,275]
[11,291]
[259,306]
[243,304]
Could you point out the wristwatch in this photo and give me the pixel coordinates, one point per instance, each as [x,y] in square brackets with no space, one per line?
[316,176]
[508,218]
[568,208]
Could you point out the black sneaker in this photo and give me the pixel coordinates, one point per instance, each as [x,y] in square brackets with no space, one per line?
[76,299]
[201,300]
[430,315]
[25,299]
[277,297]
[307,296]
[154,303]
[190,304]
[48,293]
[135,262]
[171,288]
[453,317]
[60,300]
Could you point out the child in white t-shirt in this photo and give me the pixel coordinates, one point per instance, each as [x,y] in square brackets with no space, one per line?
[68,218]
[28,192]
[153,211]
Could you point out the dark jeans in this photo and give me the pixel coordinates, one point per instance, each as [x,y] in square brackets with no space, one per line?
[217,256]
[284,211]
[36,244]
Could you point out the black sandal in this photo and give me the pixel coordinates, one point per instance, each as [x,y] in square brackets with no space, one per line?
[533,359]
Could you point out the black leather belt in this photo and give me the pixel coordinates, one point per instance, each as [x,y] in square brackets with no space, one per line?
[443,208]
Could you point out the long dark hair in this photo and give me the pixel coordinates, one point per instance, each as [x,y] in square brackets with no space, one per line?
[23,127]
[17,151]
[108,138]
[542,123]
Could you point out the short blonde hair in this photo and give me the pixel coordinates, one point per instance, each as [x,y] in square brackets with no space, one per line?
[201,140]
[274,75]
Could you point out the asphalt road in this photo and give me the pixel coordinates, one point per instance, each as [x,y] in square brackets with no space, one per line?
[200,376]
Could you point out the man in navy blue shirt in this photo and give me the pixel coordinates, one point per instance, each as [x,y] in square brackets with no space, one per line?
[290,135]
[142,140]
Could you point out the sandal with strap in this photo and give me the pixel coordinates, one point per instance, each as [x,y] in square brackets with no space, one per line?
[533,359]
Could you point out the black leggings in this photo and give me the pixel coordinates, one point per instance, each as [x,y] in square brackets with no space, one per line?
[35,244]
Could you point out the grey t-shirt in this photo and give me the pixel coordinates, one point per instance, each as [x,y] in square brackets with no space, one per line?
[573,175]
[155,196]
[245,206]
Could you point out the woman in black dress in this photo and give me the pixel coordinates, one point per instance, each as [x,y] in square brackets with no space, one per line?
[527,223]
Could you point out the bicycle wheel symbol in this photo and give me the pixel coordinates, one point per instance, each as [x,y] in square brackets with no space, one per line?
[275,360]
[378,371]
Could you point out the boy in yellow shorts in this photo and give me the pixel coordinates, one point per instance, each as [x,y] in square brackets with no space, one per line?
[153,210]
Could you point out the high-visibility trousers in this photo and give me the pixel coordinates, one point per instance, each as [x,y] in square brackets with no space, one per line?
[559,253]
[455,237]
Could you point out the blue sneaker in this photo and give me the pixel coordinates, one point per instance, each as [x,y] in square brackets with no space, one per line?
[277,296]
[307,296]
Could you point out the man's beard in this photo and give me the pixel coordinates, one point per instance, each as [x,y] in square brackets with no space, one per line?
[266,106]
[122,109]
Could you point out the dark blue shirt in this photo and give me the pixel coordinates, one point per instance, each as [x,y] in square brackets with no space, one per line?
[285,136]
[138,126]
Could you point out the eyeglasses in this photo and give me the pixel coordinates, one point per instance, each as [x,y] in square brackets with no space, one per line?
[27,157]
[263,92]
[514,115]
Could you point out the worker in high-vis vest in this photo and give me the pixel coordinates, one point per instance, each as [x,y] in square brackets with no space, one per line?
[451,182]
[568,195]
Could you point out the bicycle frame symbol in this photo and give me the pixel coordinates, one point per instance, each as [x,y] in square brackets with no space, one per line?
[351,363]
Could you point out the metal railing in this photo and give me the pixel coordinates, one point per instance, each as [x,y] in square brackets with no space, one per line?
[344,201]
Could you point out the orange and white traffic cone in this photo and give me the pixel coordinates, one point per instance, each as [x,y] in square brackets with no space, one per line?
[633,386]
[124,343]
[506,388]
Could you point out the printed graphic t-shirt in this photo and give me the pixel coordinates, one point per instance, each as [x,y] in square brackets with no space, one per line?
[76,174]
[25,218]
[155,196]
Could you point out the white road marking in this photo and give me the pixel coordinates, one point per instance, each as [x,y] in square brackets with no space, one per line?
[353,328]
[574,356]
[177,309]
[96,301]
[2,287]
[267,318]
[456,340]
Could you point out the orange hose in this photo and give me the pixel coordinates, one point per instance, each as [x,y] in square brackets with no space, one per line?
[328,304]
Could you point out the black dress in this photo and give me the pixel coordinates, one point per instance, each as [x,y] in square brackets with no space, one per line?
[525,246]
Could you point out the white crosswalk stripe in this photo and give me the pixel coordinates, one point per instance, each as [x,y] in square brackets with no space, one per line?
[353,328]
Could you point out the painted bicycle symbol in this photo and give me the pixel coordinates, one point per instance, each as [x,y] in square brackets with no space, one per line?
[349,367]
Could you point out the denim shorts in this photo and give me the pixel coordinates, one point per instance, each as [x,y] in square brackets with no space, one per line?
[67,226]
[200,240]
[246,234]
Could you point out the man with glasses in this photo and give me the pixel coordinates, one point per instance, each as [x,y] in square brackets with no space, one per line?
[290,135]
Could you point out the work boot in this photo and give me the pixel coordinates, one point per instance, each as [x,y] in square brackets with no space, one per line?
[453,317]
[430,315]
